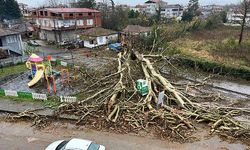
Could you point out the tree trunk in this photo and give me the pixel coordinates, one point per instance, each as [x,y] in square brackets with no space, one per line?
[243,22]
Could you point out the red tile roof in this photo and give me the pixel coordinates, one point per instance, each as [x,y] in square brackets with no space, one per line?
[71,10]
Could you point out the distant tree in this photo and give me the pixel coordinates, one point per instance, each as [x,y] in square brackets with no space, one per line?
[133,14]
[223,16]
[214,20]
[11,10]
[192,11]
[245,9]
[53,3]
[2,3]
[85,4]
[116,19]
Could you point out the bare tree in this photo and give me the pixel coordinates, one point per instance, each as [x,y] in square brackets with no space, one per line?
[244,11]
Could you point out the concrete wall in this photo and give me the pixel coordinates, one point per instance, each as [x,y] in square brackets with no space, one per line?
[13,43]
[58,36]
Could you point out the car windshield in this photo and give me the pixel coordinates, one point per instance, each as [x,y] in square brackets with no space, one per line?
[62,145]
[94,146]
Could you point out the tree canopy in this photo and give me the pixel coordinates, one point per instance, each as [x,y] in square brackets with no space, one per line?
[85,4]
[9,9]
[192,11]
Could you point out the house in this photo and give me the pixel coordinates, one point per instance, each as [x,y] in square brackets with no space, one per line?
[26,29]
[136,30]
[153,5]
[11,41]
[98,36]
[61,24]
[172,11]
[235,17]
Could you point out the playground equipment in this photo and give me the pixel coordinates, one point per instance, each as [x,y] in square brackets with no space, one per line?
[65,76]
[35,64]
[41,69]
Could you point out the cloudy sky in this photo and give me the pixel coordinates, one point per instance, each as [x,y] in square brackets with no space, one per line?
[134,2]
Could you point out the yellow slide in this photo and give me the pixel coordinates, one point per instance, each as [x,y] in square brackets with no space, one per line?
[37,77]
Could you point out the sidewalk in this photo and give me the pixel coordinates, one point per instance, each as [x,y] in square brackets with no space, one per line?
[17,107]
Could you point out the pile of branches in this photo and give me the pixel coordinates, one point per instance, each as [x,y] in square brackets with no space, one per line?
[111,101]
[38,121]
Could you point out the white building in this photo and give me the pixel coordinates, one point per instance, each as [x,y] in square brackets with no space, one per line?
[153,5]
[235,17]
[172,11]
[208,10]
[96,37]
[139,8]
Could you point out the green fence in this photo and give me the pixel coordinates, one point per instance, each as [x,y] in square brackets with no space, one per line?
[24,95]
[2,93]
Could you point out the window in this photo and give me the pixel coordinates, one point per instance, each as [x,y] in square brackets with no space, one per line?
[53,14]
[80,14]
[46,13]
[62,145]
[94,146]
[11,39]
[71,15]
[101,39]
[80,22]
[90,22]
[89,13]
[91,42]
[41,13]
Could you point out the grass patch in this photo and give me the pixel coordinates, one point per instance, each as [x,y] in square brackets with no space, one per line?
[12,70]
[219,46]
[51,102]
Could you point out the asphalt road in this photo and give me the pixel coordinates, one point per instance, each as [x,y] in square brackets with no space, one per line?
[20,136]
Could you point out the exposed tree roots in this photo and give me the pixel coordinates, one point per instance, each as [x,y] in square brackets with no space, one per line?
[113,102]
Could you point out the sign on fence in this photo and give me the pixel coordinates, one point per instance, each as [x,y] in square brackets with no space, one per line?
[11,93]
[39,96]
[64,63]
[68,99]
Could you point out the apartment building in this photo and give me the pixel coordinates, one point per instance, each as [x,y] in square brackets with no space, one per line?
[235,17]
[208,10]
[62,24]
[172,11]
[153,5]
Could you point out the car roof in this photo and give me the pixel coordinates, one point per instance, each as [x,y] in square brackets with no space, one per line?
[78,144]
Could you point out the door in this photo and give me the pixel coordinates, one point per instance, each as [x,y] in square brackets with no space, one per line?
[1,43]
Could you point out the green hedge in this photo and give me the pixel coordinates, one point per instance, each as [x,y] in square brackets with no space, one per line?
[215,67]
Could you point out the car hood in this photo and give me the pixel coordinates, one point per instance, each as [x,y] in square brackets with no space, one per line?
[53,145]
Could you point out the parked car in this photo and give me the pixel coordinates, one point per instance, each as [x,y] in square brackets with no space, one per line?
[32,43]
[74,144]
[115,46]
[64,43]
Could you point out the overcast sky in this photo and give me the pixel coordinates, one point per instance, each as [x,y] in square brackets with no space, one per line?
[35,3]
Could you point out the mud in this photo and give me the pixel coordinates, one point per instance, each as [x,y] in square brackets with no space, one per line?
[21,136]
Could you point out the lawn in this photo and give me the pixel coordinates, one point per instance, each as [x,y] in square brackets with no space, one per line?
[12,70]
[218,45]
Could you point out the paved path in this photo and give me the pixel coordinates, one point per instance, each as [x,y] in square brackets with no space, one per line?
[13,106]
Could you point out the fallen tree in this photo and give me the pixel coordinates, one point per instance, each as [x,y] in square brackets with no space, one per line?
[111,101]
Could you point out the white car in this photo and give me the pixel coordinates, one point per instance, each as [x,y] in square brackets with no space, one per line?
[75,144]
